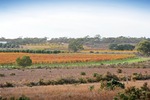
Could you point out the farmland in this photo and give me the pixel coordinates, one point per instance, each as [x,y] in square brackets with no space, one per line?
[9,58]
[71,76]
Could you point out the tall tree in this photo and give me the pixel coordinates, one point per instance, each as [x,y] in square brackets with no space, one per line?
[144,47]
[76,45]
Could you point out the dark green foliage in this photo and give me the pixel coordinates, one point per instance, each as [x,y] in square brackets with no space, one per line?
[23,97]
[12,74]
[119,70]
[91,51]
[82,80]
[133,93]
[95,74]
[99,77]
[33,51]
[82,73]
[7,84]
[91,88]
[41,82]
[8,45]
[121,47]
[139,76]
[25,61]
[111,85]
[144,47]
[76,45]
[113,46]
[2,75]
[109,77]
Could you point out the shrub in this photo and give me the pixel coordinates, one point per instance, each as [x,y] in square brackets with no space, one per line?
[111,85]
[25,61]
[7,84]
[133,93]
[69,80]
[91,51]
[109,77]
[23,97]
[119,70]
[12,74]
[98,77]
[2,75]
[91,88]
[41,82]
[82,80]
[82,73]
[95,74]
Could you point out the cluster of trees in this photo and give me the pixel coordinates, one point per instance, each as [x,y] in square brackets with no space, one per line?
[144,47]
[8,45]
[76,45]
[121,47]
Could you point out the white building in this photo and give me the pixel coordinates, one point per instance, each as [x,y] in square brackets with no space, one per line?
[3,42]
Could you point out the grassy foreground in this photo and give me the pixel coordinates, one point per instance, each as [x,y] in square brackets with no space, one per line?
[82,64]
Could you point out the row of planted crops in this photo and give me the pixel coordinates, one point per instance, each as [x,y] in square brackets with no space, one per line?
[10,58]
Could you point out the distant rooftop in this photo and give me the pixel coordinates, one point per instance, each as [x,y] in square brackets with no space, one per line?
[3,42]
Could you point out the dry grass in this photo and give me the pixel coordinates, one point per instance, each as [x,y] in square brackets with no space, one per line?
[60,92]
[109,51]
[66,92]
[51,46]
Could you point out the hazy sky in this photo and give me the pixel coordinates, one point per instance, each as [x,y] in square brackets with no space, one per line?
[74,18]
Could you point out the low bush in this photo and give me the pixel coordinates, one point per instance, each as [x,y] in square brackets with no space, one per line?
[111,85]
[110,76]
[133,93]
[7,84]
[119,70]
[139,76]
[24,61]
[12,74]
[82,80]
[2,75]
[95,74]
[82,73]
[23,97]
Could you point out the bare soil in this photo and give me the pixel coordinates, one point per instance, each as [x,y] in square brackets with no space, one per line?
[33,75]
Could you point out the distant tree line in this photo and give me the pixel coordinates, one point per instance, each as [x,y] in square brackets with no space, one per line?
[143,47]
[23,41]
[93,42]
[98,39]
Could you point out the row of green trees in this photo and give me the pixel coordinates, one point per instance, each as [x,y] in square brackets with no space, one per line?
[32,51]
[8,45]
